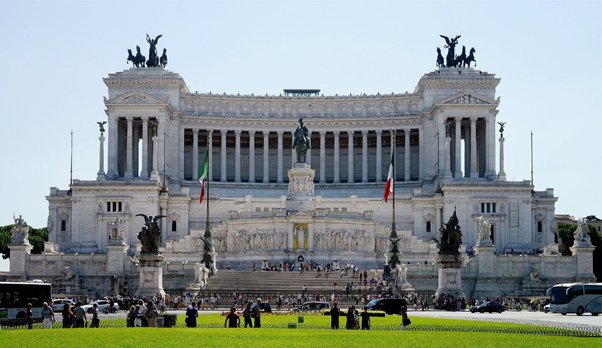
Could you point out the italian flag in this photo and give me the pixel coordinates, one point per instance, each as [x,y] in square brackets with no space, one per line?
[203,175]
[389,185]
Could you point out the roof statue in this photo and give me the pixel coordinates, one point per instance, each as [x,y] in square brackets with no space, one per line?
[451,59]
[139,61]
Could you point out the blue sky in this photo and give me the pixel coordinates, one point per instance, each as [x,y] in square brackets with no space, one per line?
[55,54]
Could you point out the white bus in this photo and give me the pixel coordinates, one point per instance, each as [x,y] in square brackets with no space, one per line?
[576,298]
[14,297]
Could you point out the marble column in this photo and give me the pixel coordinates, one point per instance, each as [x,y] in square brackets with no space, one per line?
[251,156]
[154,176]
[129,148]
[337,165]
[474,172]
[467,151]
[135,150]
[364,156]
[379,156]
[266,156]
[393,146]
[210,151]
[279,163]
[293,151]
[350,169]
[237,155]
[100,176]
[181,153]
[420,154]
[308,159]
[442,147]
[406,154]
[195,154]
[502,174]
[447,172]
[223,177]
[458,148]
[144,171]
[490,148]
[113,146]
[322,156]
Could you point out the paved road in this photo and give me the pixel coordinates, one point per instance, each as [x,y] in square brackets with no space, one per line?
[548,319]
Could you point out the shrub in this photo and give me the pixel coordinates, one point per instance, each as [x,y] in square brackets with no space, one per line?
[169,320]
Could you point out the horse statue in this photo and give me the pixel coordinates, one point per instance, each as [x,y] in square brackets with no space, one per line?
[150,235]
[131,58]
[163,59]
[470,58]
[440,61]
[461,57]
[301,142]
[140,59]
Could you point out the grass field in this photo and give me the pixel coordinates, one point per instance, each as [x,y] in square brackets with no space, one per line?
[314,332]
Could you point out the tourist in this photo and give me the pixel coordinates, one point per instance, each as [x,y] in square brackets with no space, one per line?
[246,314]
[29,316]
[334,317]
[141,312]
[131,317]
[256,310]
[95,320]
[405,321]
[232,319]
[365,319]
[151,314]
[47,316]
[68,316]
[350,324]
[191,314]
[80,315]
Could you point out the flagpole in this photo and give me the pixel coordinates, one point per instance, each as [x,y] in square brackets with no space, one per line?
[394,251]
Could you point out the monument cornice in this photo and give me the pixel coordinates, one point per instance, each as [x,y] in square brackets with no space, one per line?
[146,78]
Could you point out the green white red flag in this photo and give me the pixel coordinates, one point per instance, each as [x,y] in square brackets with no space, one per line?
[389,185]
[204,175]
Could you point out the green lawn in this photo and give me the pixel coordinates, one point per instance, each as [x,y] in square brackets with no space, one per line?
[424,332]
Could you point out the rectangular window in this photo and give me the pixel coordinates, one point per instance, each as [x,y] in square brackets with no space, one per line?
[489,207]
[174,226]
[493,233]
[428,226]
[493,207]
[539,226]
[63,225]
[114,207]
[482,207]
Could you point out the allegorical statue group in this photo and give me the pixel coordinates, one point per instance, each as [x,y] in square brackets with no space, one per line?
[452,60]
[139,61]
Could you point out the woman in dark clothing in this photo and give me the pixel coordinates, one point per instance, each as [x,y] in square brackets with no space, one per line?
[68,316]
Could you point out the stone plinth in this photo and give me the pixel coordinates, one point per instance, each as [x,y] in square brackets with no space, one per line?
[486,280]
[19,255]
[300,188]
[116,255]
[151,275]
[449,275]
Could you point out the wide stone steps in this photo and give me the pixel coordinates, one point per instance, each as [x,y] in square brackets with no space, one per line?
[269,280]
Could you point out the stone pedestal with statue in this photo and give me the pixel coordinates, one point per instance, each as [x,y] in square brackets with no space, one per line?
[151,275]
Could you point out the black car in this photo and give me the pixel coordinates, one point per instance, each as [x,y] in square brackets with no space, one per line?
[387,305]
[488,306]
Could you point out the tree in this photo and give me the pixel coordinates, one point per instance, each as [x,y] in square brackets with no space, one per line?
[37,237]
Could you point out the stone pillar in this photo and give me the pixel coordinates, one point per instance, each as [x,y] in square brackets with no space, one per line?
[393,146]
[129,148]
[135,151]
[181,153]
[113,148]
[486,280]
[154,172]
[337,165]
[266,156]
[442,147]
[350,178]
[490,146]
[144,170]
[364,156]
[279,163]
[308,155]
[237,155]
[406,155]
[100,176]
[502,174]
[195,154]
[322,157]
[251,156]
[449,275]
[293,151]
[467,151]
[458,148]
[447,172]
[379,155]
[210,150]
[151,276]
[19,257]
[474,172]
[420,154]
[223,177]
[116,255]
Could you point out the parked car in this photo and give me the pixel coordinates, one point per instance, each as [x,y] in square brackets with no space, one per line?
[104,306]
[488,306]
[59,303]
[387,305]
[312,306]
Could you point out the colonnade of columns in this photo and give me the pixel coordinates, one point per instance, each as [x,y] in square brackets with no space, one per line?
[479,148]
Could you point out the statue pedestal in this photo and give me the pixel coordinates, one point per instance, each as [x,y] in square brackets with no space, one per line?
[19,255]
[116,254]
[151,275]
[450,275]
[300,188]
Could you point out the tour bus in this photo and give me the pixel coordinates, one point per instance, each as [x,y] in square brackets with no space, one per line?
[576,298]
[14,297]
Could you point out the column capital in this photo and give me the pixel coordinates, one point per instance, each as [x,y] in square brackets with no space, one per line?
[280,132]
[365,132]
[350,133]
[252,132]
[237,131]
[407,130]
[195,130]
[336,132]
[144,118]
[322,132]
[473,119]
[210,132]
[379,131]
[129,118]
